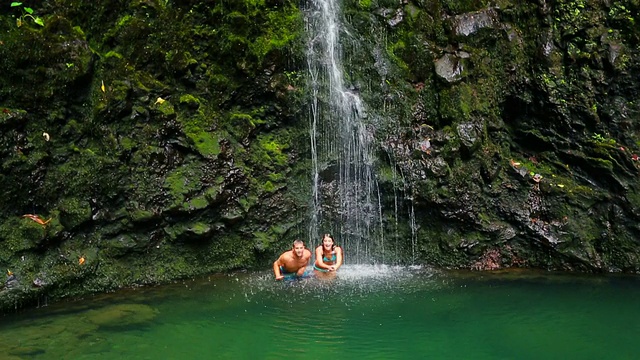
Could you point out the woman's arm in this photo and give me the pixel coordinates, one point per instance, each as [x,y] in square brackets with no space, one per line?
[338,257]
[319,262]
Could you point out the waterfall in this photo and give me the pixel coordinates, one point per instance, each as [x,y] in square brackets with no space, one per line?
[345,197]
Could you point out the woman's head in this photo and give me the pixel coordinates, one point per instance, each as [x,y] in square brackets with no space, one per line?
[327,242]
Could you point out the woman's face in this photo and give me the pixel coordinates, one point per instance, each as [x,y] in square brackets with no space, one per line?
[327,242]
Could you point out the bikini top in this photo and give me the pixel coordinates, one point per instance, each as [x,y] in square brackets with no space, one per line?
[332,259]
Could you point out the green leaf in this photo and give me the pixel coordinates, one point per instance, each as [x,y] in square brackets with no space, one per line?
[14,4]
[38,20]
[29,10]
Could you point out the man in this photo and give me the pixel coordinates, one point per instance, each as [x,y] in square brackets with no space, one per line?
[292,262]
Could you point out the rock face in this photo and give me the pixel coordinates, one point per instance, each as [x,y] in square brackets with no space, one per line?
[449,68]
[524,119]
[177,141]
[169,147]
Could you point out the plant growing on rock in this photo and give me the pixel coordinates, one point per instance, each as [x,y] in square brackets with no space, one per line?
[27,12]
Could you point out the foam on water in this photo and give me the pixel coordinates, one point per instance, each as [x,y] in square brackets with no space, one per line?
[352,283]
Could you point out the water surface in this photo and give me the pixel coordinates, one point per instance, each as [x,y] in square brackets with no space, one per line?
[368,312]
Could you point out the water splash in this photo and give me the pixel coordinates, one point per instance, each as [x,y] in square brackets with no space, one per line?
[350,284]
[345,198]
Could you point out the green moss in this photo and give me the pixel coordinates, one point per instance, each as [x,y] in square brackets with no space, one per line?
[262,240]
[185,232]
[600,163]
[127,143]
[181,183]
[166,108]
[277,31]
[113,54]
[212,193]
[190,100]
[124,20]
[276,177]
[17,235]
[140,215]
[119,246]
[364,4]
[269,187]
[254,32]
[206,143]
[242,125]
[196,203]
[199,228]
[268,152]
[73,212]
[395,48]
[247,202]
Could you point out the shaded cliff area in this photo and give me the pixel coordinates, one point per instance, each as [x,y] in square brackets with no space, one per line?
[519,134]
[156,140]
[157,137]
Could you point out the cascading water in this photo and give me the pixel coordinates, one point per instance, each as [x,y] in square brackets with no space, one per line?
[346,199]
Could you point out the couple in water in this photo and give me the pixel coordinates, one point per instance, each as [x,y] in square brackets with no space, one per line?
[294,262]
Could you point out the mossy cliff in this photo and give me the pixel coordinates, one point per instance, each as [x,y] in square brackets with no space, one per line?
[166,139]
[161,139]
[514,126]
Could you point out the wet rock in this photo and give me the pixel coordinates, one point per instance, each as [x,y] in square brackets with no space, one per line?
[437,167]
[449,68]
[186,232]
[11,282]
[74,212]
[120,245]
[37,282]
[397,18]
[467,24]
[468,134]
[614,51]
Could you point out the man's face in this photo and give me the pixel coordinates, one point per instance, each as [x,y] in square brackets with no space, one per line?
[298,249]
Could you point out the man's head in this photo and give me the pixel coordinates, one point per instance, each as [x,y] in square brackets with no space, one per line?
[298,248]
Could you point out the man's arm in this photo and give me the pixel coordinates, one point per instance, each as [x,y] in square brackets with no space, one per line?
[276,269]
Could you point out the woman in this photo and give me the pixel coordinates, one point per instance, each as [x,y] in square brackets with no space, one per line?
[328,258]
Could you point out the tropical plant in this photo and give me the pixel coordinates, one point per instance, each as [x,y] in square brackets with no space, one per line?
[27,12]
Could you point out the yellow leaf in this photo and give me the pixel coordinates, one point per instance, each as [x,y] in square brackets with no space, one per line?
[560,185]
[102,87]
[159,101]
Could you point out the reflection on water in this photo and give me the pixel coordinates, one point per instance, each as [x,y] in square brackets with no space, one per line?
[366,312]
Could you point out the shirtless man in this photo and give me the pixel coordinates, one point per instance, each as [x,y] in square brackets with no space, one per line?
[294,261]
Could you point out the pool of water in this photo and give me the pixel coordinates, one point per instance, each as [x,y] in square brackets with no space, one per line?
[368,312]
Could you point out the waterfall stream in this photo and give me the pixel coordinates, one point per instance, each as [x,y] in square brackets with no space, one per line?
[346,198]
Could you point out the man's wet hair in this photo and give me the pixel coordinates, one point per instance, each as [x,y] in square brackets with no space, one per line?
[297,241]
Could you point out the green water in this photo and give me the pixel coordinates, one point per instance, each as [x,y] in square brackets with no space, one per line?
[366,313]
